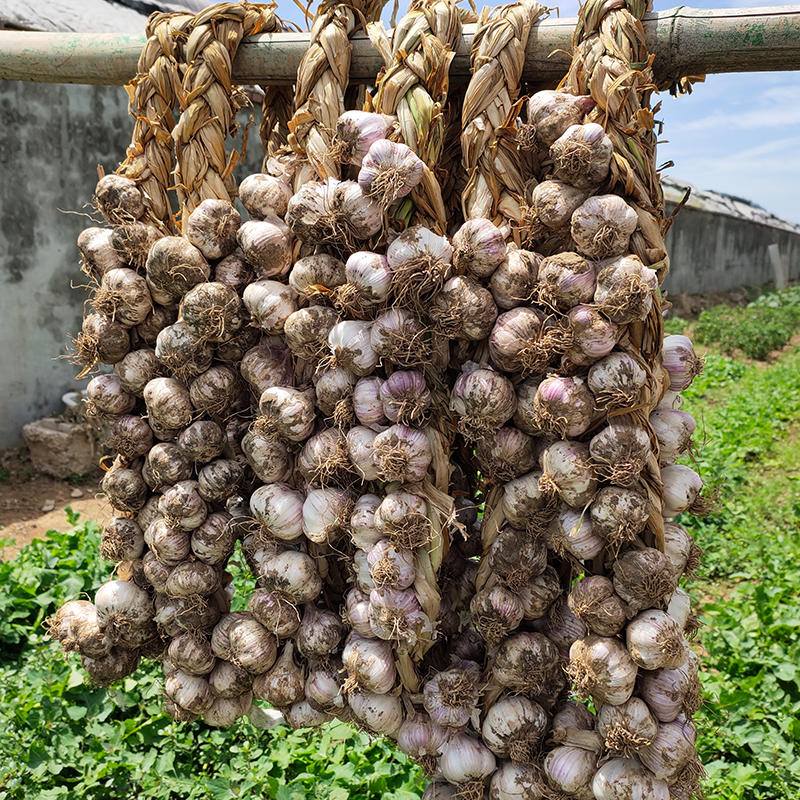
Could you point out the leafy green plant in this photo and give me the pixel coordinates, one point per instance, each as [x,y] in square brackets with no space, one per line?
[778,298]
[675,325]
[756,330]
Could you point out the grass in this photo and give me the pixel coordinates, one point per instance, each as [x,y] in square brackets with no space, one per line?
[764,326]
[63,738]
[749,581]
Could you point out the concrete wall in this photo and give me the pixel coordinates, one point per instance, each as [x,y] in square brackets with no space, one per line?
[715,253]
[52,137]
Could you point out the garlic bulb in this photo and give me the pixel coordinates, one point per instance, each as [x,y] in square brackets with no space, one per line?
[554,202]
[550,113]
[317,275]
[513,781]
[399,338]
[514,339]
[286,413]
[369,280]
[592,335]
[674,430]
[507,455]
[170,546]
[571,770]
[101,339]
[220,480]
[396,615]
[523,662]
[352,347]
[123,296]
[324,460]
[319,634]
[593,600]
[582,155]
[309,212]
[122,540]
[370,664]
[182,352]
[495,613]
[514,280]
[602,226]
[517,557]
[539,593]
[122,603]
[655,640]
[212,227]
[565,280]
[379,713]
[307,331]
[174,266]
[202,441]
[182,507]
[642,578]
[270,303]
[277,508]
[190,654]
[620,453]
[680,549]
[483,400]
[480,248]
[326,514]
[390,565]
[671,692]
[463,309]
[278,616]
[284,683]
[619,515]
[125,489]
[367,403]
[271,460]
[191,692]
[357,216]
[422,739]
[402,454]
[405,397]
[514,727]
[616,381]
[76,627]
[627,779]
[216,391]
[165,466]
[363,530]
[361,452]
[98,255]
[602,668]
[465,760]
[525,505]
[118,199]
[682,487]
[568,470]
[137,369]
[213,542]
[625,289]
[333,386]
[627,728]
[571,531]
[225,711]
[264,195]
[681,362]
[389,171]
[323,687]
[421,262]
[564,406]
[267,365]
[107,398]
[356,132]
[302,715]
[292,574]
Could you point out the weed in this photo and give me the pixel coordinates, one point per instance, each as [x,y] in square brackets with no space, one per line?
[756,330]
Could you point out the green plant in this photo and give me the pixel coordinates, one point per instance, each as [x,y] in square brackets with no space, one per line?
[675,325]
[777,298]
[4,475]
[756,330]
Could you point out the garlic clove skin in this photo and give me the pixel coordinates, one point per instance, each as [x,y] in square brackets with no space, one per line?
[379,713]
[655,640]
[356,132]
[514,280]
[550,113]
[270,304]
[616,380]
[627,728]
[264,195]
[571,770]
[680,361]
[465,760]
[479,248]
[389,171]
[627,779]
[582,155]
[682,487]
[514,726]
[602,668]
[602,226]
[512,781]
[554,202]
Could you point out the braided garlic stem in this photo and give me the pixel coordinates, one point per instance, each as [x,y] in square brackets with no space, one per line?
[209,101]
[488,143]
[322,80]
[154,93]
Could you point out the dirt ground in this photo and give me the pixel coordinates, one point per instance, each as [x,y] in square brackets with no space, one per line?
[31,504]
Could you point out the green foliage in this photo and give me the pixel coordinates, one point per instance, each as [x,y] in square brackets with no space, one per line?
[756,330]
[675,325]
[750,738]
[63,738]
[778,298]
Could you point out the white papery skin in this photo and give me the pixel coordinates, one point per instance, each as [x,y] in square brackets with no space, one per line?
[626,779]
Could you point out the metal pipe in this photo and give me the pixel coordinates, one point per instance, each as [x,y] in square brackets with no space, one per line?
[684,41]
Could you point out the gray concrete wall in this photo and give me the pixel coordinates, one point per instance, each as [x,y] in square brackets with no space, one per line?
[52,137]
[715,253]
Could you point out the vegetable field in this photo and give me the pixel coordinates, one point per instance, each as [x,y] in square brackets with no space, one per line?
[65,739]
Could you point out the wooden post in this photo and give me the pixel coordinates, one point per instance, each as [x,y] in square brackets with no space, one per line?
[684,41]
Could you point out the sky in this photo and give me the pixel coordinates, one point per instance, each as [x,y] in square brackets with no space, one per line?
[736,133]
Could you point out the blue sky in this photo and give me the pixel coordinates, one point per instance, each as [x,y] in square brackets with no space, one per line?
[736,133]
